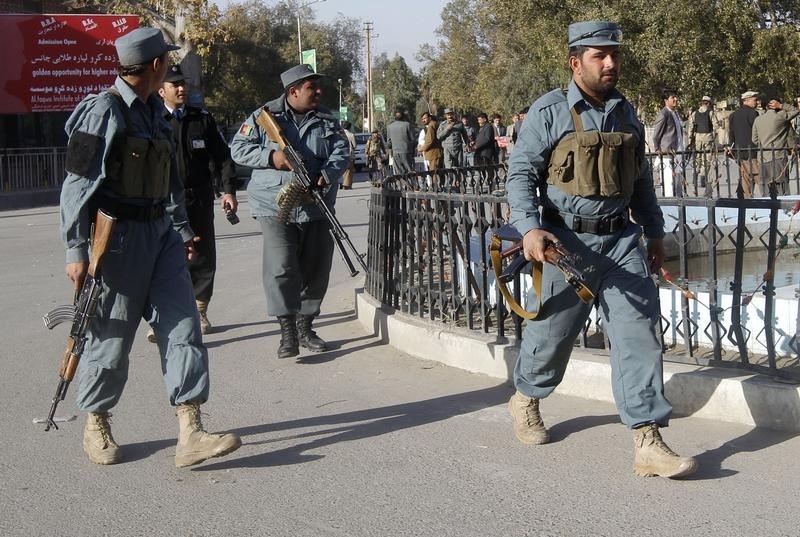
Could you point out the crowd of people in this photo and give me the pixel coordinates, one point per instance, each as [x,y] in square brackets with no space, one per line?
[760,135]
[452,142]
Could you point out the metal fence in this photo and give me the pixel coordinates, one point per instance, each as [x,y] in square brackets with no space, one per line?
[31,168]
[427,257]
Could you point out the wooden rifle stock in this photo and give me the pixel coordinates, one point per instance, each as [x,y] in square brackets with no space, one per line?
[267,121]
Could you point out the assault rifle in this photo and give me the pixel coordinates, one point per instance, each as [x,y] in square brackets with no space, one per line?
[81,312]
[555,254]
[307,186]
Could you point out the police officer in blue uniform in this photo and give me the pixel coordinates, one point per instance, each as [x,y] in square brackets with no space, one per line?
[452,136]
[297,254]
[199,145]
[580,157]
[120,158]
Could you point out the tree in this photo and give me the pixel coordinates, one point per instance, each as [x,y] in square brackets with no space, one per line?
[497,54]
[191,24]
[244,72]
[397,83]
[458,58]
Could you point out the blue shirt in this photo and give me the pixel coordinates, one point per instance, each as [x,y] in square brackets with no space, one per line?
[316,136]
[548,121]
[100,115]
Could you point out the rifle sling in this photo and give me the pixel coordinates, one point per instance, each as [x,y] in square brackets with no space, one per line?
[583,292]
[494,251]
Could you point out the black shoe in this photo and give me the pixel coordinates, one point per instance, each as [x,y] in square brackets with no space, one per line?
[308,338]
[289,345]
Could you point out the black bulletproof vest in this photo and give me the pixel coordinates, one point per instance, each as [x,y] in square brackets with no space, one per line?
[702,122]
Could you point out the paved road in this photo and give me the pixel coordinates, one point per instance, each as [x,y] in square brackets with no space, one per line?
[360,441]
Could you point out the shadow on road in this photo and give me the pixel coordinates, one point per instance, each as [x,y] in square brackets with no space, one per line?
[562,430]
[762,409]
[754,440]
[357,425]
[142,450]
[335,350]
[257,335]
[335,317]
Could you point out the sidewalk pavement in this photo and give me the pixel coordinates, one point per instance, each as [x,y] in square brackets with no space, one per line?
[364,440]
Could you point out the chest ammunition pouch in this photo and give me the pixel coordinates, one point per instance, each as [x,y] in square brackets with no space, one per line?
[137,167]
[595,163]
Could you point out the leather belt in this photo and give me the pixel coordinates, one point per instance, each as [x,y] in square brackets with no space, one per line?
[596,225]
[127,211]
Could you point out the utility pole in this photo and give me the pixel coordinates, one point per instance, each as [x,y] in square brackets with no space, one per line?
[299,10]
[368,108]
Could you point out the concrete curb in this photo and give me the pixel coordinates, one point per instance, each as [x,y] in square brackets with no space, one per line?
[29,199]
[711,393]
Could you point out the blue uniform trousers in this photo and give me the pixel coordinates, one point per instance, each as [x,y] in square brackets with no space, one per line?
[144,276]
[452,157]
[628,304]
[296,265]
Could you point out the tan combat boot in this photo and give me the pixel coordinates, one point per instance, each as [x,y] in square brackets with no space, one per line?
[98,443]
[528,424]
[205,324]
[651,456]
[194,444]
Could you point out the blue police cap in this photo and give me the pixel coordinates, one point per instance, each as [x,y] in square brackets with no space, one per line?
[298,73]
[141,46]
[594,34]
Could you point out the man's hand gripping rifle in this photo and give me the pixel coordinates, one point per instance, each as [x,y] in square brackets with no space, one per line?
[555,253]
[288,200]
[81,312]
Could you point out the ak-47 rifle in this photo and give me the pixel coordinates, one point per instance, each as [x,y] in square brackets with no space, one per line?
[555,253]
[81,312]
[304,187]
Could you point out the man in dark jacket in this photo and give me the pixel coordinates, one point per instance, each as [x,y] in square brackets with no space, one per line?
[742,147]
[485,148]
[198,143]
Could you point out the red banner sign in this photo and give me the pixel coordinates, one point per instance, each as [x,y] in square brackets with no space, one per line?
[53,61]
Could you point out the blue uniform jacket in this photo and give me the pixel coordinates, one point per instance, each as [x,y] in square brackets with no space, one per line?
[100,116]
[549,120]
[319,140]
